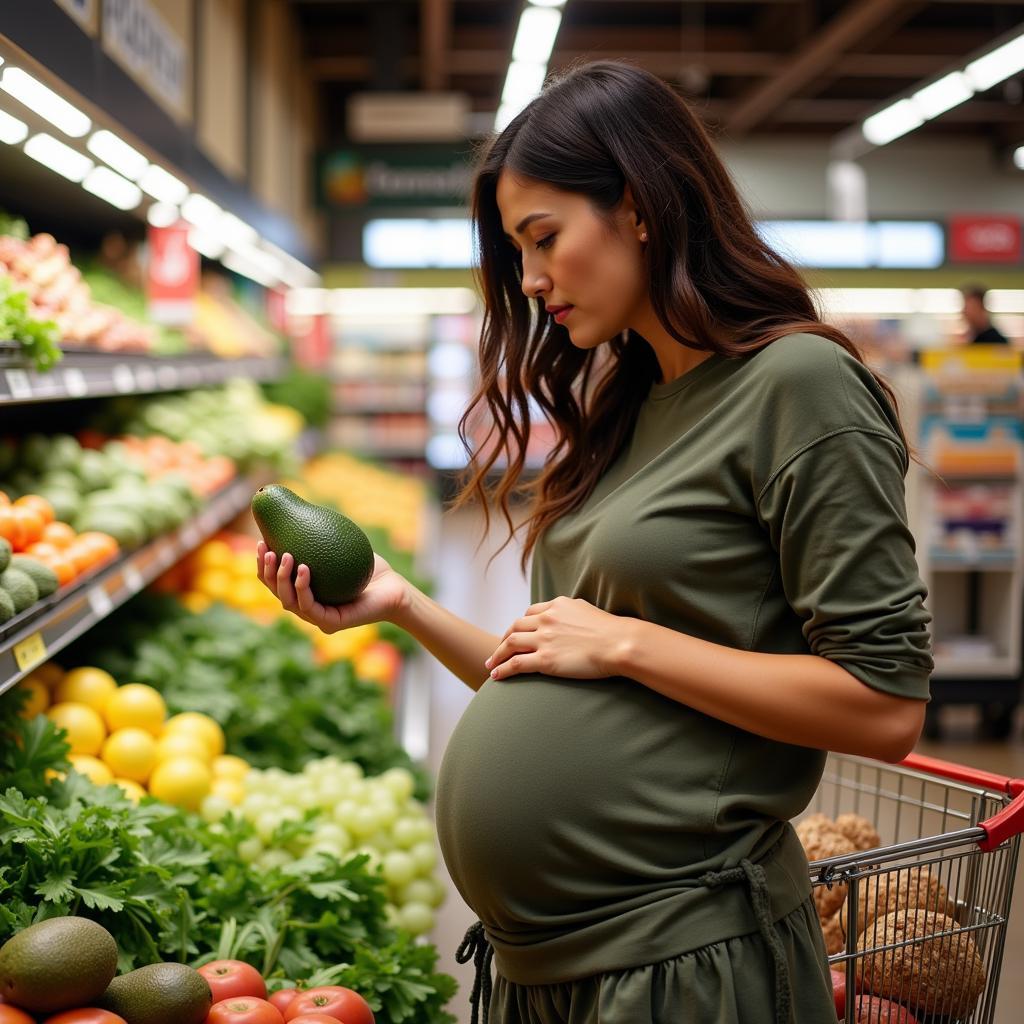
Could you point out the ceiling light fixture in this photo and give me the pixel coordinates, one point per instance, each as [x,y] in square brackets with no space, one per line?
[45,102]
[53,153]
[12,131]
[163,187]
[117,153]
[994,67]
[109,185]
[945,94]
[163,215]
[202,212]
[535,38]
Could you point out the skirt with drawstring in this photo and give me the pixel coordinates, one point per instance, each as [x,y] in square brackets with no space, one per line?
[729,982]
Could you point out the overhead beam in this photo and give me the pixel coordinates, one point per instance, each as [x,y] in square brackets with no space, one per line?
[835,39]
[435,39]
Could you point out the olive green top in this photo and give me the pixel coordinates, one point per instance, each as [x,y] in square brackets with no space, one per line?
[758,505]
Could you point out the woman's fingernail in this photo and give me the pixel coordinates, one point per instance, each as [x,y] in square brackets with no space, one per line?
[494,673]
[487,663]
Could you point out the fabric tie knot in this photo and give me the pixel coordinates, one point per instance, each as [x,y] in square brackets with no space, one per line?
[475,947]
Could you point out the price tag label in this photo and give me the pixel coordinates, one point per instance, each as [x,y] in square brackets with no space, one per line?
[124,379]
[167,377]
[30,652]
[145,378]
[74,383]
[191,377]
[133,578]
[100,602]
[18,384]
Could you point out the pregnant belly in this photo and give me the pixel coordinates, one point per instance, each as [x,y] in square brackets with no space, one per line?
[558,796]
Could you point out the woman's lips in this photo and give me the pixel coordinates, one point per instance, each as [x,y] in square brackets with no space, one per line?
[563,313]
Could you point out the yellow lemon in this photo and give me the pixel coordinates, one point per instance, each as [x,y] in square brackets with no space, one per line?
[130,753]
[90,686]
[38,696]
[195,602]
[194,723]
[49,674]
[229,789]
[215,554]
[244,563]
[136,705]
[250,593]
[92,769]
[180,743]
[85,729]
[216,584]
[182,781]
[132,790]
[228,766]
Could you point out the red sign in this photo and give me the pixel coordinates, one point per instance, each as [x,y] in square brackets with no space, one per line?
[311,340]
[173,275]
[276,309]
[984,240]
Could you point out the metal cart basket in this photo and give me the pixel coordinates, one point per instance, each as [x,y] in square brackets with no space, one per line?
[921,921]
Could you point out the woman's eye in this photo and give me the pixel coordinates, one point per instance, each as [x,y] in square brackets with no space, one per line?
[545,242]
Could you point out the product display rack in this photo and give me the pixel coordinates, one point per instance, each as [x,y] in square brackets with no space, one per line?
[967,517]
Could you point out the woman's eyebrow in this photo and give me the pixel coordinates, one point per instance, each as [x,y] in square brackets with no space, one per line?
[527,220]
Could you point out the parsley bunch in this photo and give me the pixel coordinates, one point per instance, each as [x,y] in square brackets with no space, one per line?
[39,339]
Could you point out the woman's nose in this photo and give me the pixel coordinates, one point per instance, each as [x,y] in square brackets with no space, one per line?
[535,285]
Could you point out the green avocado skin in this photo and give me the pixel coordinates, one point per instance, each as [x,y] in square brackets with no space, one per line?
[339,555]
[166,993]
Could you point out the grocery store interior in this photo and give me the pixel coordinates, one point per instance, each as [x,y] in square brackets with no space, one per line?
[236,251]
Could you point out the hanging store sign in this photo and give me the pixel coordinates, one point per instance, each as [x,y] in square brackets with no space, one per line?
[138,36]
[396,176]
[172,278]
[985,240]
[85,12]
[311,340]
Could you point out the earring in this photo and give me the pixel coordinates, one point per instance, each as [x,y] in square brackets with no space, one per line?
[643,237]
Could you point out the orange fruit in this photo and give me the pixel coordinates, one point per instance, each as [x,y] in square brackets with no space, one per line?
[28,522]
[4,500]
[81,556]
[62,566]
[40,504]
[41,550]
[102,543]
[59,534]
[10,530]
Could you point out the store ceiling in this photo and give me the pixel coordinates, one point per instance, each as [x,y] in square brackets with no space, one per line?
[753,67]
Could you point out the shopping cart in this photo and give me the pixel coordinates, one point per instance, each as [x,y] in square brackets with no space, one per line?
[923,921]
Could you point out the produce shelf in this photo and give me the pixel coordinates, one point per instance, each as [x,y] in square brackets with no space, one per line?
[85,373]
[58,620]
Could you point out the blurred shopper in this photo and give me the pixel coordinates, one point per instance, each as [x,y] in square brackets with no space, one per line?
[979,324]
[723,577]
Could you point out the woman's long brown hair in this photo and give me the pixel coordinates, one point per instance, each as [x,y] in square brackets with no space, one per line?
[714,283]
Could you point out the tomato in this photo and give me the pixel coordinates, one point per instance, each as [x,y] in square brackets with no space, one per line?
[12,1015]
[314,1018]
[875,1010]
[86,1016]
[284,998]
[244,1010]
[333,1001]
[839,992]
[230,978]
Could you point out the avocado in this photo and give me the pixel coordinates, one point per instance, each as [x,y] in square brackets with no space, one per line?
[338,553]
[6,606]
[20,586]
[57,964]
[42,576]
[165,993]
[5,553]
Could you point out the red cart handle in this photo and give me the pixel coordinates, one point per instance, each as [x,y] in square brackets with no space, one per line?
[1008,822]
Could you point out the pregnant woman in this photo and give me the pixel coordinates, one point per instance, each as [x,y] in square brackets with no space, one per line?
[723,579]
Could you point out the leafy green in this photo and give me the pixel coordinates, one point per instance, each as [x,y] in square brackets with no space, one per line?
[13,227]
[277,706]
[39,339]
[309,393]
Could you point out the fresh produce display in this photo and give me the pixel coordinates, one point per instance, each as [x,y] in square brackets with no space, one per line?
[38,337]
[375,816]
[42,268]
[264,684]
[173,890]
[307,392]
[338,553]
[926,962]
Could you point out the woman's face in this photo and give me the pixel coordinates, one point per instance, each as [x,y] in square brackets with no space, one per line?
[573,257]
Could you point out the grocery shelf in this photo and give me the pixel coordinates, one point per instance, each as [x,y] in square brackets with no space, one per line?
[51,624]
[980,668]
[85,373]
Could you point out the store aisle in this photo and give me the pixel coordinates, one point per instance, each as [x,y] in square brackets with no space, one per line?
[493,599]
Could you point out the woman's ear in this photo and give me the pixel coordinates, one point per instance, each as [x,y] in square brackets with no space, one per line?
[630,214]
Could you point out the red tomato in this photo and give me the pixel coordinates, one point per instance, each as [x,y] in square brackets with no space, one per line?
[839,992]
[284,998]
[12,1015]
[86,1016]
[244,1010]
[875,1010]
[314,1018]
[230,978]
[333,1001]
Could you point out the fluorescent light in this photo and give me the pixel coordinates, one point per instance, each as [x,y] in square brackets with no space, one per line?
[109,185]
[205,243]
[164,187]
[306,301]
[547,3]
[998,65]
[535,38]
[236,232]
[506,112]
[52,153]
[522,83]
[163,215]
[117,153]
[889,124]
[1018,157]
[946,93]
[12,131]
[397,301]
[202,212]
[1005,300]
[45,102]
[245,267]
